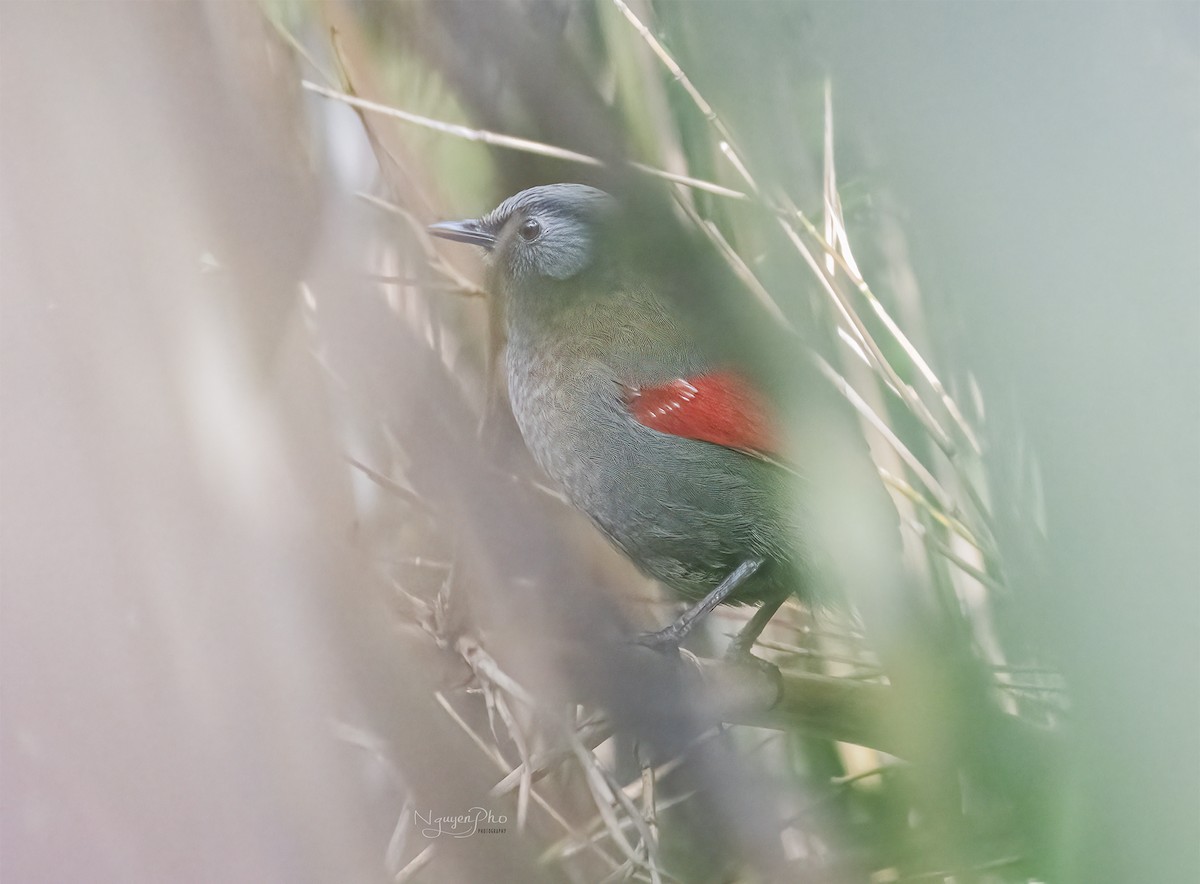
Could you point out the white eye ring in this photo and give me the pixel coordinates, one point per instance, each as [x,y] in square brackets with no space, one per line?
[530,229]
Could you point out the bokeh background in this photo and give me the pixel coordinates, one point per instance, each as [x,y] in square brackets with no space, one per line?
[279,585]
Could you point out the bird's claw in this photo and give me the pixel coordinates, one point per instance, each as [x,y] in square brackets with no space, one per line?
[665,641]
[740,656]
[739,652]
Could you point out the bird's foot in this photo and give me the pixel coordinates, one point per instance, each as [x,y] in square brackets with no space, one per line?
[743,643]
[739,655]
[740,646]
[665,641]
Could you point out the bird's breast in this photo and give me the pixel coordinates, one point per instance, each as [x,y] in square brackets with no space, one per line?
[569,410]
[685,511]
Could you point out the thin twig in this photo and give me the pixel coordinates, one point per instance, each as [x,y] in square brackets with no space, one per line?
[300,50]
[493,754]
[606,793]
[603,798]
[728,148]
[931,484]
[518,738]
[464,285]
[418,862]
[388,484]
[592,734]
[512,142]
[900,486]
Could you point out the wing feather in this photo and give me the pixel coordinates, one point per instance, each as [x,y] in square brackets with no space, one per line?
[721,407]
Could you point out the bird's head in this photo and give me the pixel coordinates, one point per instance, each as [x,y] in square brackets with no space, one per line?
[539,236]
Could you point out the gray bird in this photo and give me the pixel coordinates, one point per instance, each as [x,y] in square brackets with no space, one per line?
[671,449]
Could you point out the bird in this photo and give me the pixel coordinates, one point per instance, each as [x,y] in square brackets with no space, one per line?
[668,443]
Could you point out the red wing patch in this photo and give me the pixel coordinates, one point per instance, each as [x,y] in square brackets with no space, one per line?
[722,408]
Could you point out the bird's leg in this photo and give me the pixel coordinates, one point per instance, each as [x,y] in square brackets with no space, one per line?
[669,639]
[739,648]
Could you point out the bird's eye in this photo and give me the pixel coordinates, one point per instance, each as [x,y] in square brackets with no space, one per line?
[530,230]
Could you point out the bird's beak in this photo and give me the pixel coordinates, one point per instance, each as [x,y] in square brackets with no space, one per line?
[464,231]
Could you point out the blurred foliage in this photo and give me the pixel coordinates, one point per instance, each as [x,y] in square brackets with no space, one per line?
[797,211]
[281,584]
